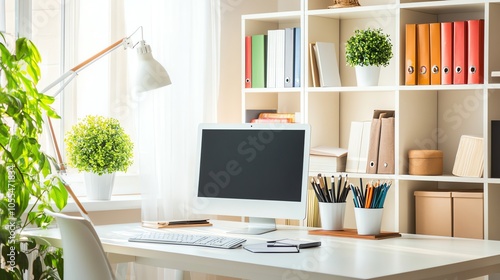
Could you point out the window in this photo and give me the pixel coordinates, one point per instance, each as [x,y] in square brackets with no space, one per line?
[67,33]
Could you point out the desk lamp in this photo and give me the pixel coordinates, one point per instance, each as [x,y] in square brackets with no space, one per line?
[150,74]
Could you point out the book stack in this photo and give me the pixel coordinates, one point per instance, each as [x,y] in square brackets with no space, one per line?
[327,159]
[268,117]
[272,60]
[445,53]
[470,157]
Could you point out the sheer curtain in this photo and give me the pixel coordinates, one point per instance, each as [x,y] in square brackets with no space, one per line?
[184,36]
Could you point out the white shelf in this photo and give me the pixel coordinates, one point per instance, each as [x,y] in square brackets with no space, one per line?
[353,12]
[448,7]
[352,89]
[428,117]
[444,178]
[270,90]
[443,87]
[274,17]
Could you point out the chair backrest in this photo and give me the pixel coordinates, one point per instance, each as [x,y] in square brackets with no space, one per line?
[84,257]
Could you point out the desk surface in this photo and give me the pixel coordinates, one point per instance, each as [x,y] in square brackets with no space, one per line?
[407,257]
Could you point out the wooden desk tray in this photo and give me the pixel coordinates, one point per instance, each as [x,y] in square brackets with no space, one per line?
[354,234]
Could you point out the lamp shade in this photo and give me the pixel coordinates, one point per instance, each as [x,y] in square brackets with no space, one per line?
[150,74]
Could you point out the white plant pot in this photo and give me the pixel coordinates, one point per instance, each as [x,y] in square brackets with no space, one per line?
[99,187]
[367,75]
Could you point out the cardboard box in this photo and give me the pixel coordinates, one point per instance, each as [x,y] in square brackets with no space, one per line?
[449,213]
[425,162]
[468,214]
[433,213]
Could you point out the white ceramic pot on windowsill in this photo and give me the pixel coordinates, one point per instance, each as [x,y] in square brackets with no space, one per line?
[99,187]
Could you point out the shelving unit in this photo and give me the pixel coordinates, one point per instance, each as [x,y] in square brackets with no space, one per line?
[427,117]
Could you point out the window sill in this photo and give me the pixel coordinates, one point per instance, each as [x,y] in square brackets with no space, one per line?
[117,202]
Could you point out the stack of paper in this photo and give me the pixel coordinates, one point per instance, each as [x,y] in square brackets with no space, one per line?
[470,157]
[327,159]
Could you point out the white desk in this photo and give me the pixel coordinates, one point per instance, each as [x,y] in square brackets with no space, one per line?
[406,257]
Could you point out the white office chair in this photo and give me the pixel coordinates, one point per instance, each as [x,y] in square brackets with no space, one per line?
[84,257]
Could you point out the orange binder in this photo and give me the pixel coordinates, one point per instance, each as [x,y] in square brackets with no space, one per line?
[423,54]
[475,62]
[411,54]
[248,61]
[460,52]
[435,46]
[447,53]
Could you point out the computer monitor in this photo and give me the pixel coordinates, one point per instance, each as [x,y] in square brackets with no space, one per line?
[259,171]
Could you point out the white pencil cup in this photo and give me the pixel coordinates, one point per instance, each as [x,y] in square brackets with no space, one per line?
[368,220]
[332,215]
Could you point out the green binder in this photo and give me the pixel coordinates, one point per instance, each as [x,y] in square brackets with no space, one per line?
[259,57]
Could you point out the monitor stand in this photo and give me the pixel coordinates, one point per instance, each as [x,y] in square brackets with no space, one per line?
[257,226]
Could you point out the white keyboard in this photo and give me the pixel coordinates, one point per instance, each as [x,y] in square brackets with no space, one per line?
[214,241]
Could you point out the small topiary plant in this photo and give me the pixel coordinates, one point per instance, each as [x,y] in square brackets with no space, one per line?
[369,47]
[99,145]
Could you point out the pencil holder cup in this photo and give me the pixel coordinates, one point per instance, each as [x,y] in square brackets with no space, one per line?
[368,220]
[332,215]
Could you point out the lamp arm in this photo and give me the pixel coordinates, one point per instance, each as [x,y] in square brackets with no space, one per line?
[73,71]
[97,56]
[61,168]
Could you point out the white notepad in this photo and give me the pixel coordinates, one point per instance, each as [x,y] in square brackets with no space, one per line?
[328,67]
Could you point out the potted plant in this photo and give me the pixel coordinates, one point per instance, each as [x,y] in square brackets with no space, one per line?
[27,182]
[99,147]
[368,50]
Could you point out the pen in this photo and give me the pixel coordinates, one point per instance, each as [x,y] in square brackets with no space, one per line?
[281,245]
[338,188]
[319,196]
[277,243]
[326,189]
[333,186]
[345,190]
[322,190]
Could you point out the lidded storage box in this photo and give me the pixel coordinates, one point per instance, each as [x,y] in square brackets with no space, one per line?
[468,214]
[449,213]
[425,162]
[434,213]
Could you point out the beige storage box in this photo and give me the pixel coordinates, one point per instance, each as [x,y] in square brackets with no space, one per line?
[468,214]
[425,162]
[433,213]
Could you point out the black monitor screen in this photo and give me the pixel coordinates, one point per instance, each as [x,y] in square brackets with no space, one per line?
[252,164]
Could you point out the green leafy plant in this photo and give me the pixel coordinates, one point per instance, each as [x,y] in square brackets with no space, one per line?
[369,47]
[27,183]
[100,145]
